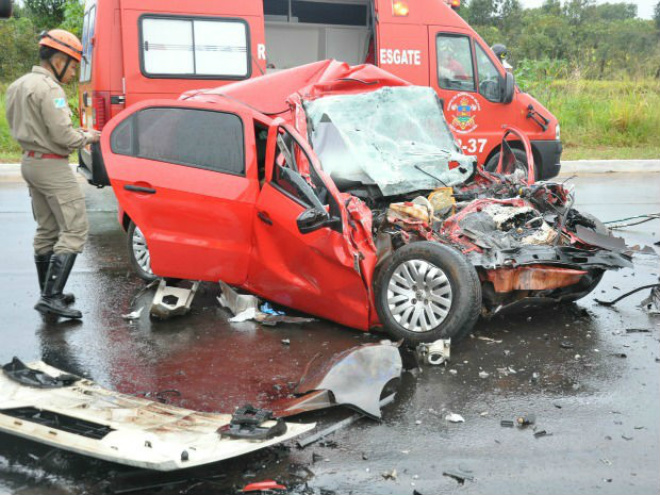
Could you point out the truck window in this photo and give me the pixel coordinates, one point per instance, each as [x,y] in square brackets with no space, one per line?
[489,76]
[348,13]
[184,136]
[194,48]
[455,62]
[299,32]
[89,27]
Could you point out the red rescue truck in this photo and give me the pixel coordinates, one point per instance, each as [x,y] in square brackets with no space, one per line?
[143,49]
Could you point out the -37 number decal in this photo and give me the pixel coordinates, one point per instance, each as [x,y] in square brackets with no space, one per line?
[473,145]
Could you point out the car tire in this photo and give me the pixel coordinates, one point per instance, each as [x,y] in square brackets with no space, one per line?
[139,253]
[434,279]
[521,162]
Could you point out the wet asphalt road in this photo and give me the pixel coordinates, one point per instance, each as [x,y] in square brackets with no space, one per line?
[601,410]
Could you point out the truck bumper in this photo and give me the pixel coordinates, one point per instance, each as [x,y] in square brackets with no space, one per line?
[91,166]
[550,154]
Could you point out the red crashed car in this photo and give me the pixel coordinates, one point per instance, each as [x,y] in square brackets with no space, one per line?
[340,191]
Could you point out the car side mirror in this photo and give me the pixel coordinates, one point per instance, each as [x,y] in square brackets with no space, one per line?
[508,85]
[313,219]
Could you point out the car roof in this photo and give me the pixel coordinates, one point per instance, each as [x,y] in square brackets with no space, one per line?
[273,94]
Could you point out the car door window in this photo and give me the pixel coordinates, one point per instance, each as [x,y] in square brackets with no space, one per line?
[290,155]
[455,62]
[184,136]
[121,141]
[489,76]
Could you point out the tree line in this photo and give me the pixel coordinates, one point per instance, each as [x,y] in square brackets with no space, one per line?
[576,39]
[19,35]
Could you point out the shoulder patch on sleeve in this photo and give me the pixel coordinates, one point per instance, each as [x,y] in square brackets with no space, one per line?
[60,102]
[52,84]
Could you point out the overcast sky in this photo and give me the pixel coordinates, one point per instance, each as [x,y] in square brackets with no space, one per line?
[644,7]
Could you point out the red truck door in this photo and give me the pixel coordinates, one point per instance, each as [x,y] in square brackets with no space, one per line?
[185,173]
[306,268]
[401,47]
[469,84]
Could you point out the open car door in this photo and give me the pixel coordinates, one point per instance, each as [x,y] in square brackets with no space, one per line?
[301,257]
[185,175]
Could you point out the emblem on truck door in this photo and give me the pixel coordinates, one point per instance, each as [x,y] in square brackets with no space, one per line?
[462,113]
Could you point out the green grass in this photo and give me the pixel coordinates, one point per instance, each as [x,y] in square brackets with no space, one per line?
[611,119]
[10,151]
[608,153]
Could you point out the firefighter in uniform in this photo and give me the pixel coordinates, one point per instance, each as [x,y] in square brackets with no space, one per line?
[40,120]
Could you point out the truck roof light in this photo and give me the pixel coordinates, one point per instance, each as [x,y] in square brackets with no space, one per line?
[400,8]
[455,4]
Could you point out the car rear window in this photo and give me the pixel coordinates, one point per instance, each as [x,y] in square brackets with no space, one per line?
[194,47]
[183,136]
[89,27]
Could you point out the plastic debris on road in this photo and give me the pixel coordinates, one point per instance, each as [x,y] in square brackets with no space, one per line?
[435,353]
[246,307]
[171,300]
[248,314]
[454,418]
[135,315]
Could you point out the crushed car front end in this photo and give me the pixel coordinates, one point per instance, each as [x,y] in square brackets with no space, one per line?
[518,242]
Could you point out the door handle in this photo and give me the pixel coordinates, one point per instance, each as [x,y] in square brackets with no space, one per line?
[139,189]
[264,217]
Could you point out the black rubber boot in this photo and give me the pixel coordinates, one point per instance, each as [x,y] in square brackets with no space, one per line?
[42,261]
[52,301]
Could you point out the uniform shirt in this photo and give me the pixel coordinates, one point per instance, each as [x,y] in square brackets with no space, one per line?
[39,116]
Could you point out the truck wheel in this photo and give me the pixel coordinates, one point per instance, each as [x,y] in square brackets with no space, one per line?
[521,162]
[139,253]
[427,291]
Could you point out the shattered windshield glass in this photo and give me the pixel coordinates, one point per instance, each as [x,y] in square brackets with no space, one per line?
[395,138]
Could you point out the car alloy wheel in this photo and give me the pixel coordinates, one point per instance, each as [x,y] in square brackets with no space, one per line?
[419,295]
[141,250]
[427,291]
[139,253]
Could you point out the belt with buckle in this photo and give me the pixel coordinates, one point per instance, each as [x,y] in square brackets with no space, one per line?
[36,154]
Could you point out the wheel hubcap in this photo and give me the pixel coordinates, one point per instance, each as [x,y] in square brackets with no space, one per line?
[141,251]
[419,295]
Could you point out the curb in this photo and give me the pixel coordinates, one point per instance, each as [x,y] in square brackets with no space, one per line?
[11,172]
[588,167]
